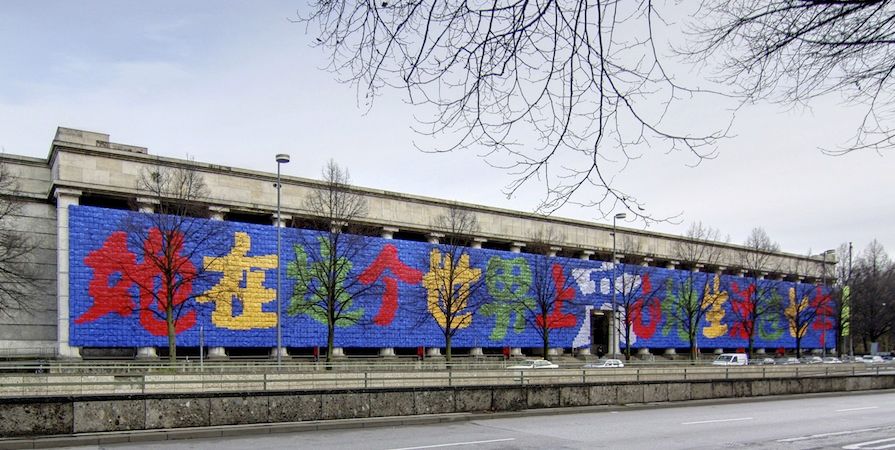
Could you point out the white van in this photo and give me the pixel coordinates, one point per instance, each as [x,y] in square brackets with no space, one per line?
[731,359]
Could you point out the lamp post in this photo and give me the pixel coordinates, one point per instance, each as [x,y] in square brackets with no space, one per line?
[823,284]
[851,342]
[282,158]
[614,321]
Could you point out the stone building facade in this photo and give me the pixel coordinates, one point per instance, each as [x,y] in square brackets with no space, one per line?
[86,168]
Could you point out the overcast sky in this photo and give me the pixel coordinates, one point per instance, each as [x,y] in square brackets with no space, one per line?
[234,83]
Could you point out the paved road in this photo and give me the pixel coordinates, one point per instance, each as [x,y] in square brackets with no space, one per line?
[862,421]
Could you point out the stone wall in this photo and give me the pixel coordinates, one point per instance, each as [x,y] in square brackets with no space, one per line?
[29,417]
[31,331]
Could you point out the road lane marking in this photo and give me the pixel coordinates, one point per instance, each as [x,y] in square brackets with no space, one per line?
[456,444]
[717,421]
[823,435]
[865,445]
[857,409]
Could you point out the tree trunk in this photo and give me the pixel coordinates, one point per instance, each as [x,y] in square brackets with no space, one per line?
[627,340]
[546,342]
[447,347]
[330,335]
[693,355]
[172,334]
[752,343]
[798,344]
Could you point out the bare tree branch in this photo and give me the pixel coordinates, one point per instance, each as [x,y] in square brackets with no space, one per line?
[584,80]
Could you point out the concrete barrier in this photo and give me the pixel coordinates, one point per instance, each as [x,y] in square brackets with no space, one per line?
[41,416]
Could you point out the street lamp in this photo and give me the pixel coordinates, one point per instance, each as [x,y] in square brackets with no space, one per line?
[282,158]
[614,322]
[823,285]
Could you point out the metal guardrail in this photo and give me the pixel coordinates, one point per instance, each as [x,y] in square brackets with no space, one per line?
[48,384]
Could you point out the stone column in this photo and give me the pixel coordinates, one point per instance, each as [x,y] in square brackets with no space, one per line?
[585,255]
[516,352]
[477,242]
[554,351]
[435,238]
[672,265]
[433,352]
[646,262]
[643,353]
[697,267]
[552,251]
[146,205]
[281,222]
[388,233]
[64,198]
[516,247]
[338,353]
[219,353]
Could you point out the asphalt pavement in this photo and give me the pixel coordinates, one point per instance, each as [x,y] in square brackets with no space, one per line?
[852,421]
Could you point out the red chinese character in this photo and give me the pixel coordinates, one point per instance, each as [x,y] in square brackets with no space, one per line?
[115,272]
[742,310]
[111,265]
[823,305]
[388,260]
[654,311]
[149,275]
[557,319]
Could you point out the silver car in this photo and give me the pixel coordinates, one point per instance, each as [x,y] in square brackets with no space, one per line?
[606,363]
[529,364]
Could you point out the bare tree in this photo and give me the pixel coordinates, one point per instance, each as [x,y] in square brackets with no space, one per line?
[795,50]
[757,301]
[808,306]
[637,296]
[841,297]
[171,239]
[691,295]
[453,285]
[325,285]
[546,292]
[586,80]
[872,283]
[18,276]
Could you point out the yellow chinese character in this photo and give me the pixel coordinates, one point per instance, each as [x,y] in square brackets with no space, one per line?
[714,300]
[443,280]
[792,313]
[236,266]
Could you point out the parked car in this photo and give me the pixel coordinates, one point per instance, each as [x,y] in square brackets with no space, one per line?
[831,360]
[786,361]
[731,359]
[762,361]
[872,359]
[604,364]
[812,360]
[529,364]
